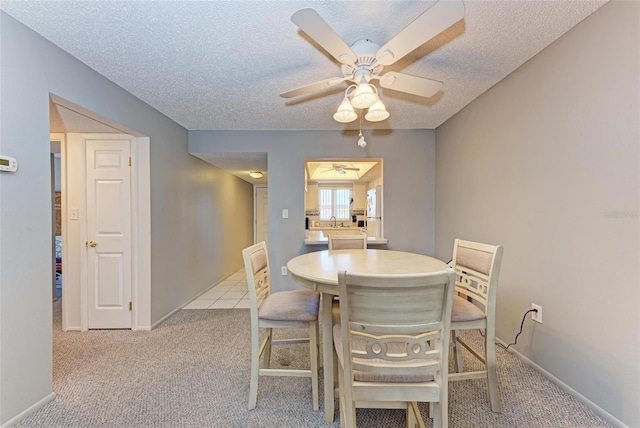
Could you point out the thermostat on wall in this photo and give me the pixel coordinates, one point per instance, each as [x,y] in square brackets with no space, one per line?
[8,164]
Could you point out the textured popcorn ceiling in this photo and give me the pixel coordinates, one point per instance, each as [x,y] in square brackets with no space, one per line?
[221,65]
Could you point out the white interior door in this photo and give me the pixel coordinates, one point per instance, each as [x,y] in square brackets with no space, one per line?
[262,210]
[108,233]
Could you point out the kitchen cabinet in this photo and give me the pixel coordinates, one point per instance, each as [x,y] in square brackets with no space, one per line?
[359,196]
[312,197]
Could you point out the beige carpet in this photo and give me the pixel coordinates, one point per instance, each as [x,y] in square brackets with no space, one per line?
[193,371]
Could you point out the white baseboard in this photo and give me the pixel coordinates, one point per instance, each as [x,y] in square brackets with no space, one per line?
[157,323]
[29,411]
[161,320]
[584,400]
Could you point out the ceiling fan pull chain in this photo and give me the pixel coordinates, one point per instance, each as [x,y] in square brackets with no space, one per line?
[361,143]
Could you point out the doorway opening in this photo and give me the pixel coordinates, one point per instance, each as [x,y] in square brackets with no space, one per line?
[71,275]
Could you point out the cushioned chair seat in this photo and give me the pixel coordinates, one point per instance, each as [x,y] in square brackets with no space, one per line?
[381,377]
[463,310]
[296,305]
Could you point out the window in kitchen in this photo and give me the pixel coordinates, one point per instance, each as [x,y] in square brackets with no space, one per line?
[334,201]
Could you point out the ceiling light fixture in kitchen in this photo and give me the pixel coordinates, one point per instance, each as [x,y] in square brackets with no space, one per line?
[255,174]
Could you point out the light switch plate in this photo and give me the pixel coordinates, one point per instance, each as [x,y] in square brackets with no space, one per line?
[285,213]
[73,214]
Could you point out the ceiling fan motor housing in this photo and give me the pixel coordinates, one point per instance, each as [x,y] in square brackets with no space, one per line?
[365,66]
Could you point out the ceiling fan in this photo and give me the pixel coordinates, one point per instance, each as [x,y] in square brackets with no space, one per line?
[340,168]
[364,60]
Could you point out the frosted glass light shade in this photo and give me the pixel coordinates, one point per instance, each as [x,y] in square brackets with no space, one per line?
[364,96]
[377,112]
[255,174]
[345,113]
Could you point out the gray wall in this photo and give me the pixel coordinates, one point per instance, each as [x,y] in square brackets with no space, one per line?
[540,164]
[202,218]
[183,258]
[409,173]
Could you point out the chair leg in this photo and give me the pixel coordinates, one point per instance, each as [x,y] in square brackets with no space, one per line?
[266,359]
[351,413]
[255,368]
[440,416]
[443,408]
[457,358]
[343,404]
[347,405]
[349,408]
[411,417]
[313,351]
[414,419]
[492,376]
[436,414]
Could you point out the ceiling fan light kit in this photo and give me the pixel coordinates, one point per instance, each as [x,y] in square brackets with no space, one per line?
[364,96]
[377,112]
[364,60]
[345,113]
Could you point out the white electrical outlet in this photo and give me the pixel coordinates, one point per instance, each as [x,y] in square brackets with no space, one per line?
[536,316]
[283,270]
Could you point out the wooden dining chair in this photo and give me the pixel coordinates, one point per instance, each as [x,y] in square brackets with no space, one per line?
[392,343]
[348,242]
[286,309]
[477,269]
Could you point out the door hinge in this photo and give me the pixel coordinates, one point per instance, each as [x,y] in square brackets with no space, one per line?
[130,306]
[129,160]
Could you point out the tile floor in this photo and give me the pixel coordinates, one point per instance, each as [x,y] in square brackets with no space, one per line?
[227,294]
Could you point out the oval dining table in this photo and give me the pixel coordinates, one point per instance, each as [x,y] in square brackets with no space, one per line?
[319,271]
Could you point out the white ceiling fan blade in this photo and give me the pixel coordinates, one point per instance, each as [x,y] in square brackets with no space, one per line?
[311,23]
[410,84]
[432,22]
[333,81]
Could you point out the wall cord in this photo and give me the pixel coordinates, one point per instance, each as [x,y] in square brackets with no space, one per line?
[521,325]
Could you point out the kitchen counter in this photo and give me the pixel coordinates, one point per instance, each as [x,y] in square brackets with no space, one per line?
[318,237]
[331,228]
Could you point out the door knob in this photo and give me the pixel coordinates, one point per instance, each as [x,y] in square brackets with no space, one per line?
[91,243]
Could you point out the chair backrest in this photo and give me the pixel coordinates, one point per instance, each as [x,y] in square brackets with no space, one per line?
[396,325]
[477,269]
[256,264]
[348,242]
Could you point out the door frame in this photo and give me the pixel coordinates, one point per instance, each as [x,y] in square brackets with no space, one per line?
[255,209]
[74,315]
